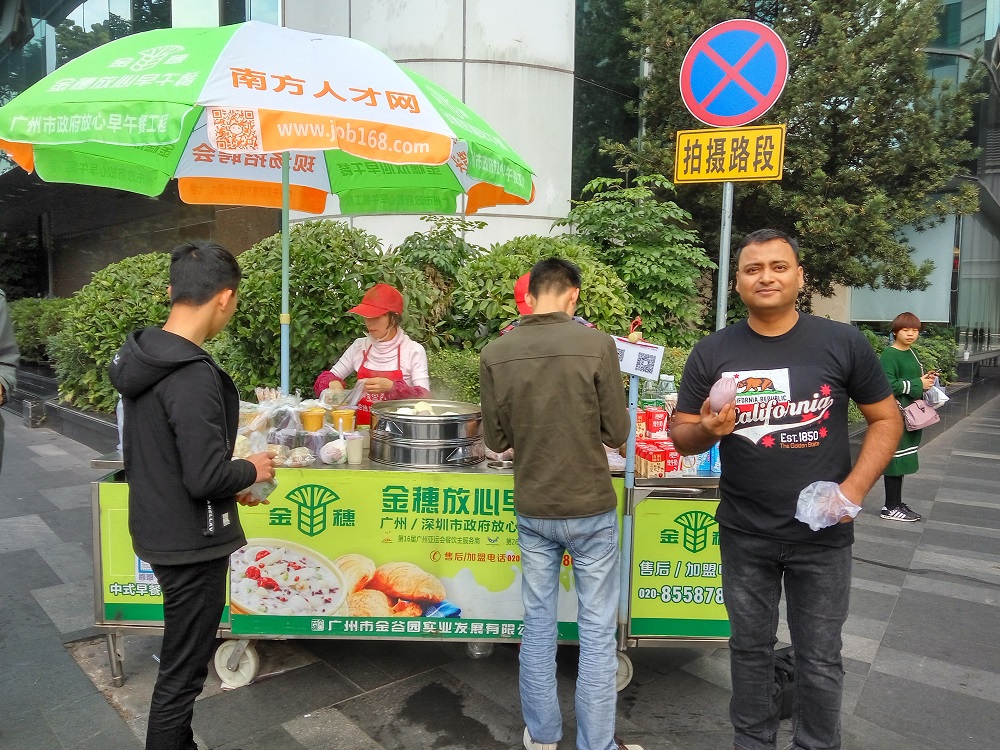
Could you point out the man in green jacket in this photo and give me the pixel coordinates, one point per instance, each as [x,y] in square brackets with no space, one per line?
[9,356]
[551,389]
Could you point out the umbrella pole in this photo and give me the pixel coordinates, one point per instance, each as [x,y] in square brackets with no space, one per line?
[286,319]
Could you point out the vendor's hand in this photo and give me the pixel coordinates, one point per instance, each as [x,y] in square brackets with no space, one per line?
[720,424]
[335,385]
[247,499]
[378,385]
[264,464]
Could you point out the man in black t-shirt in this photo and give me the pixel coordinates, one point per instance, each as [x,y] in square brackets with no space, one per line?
[795,375]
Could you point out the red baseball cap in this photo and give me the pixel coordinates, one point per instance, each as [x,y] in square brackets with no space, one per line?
[379,300]
[521,294]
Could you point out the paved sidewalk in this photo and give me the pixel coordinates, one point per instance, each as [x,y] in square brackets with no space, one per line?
[922,658]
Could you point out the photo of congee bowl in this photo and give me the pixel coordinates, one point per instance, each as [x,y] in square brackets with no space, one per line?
[275,577]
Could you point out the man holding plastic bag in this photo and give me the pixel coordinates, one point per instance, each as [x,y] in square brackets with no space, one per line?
[181,418]
[789,492]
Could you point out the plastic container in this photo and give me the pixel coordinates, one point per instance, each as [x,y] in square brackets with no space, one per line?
[312,419]
[355,447]
[342,419]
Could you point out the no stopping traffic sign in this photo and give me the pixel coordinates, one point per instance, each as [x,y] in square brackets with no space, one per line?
[734,73]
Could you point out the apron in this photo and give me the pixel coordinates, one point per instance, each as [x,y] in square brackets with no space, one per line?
[364,412]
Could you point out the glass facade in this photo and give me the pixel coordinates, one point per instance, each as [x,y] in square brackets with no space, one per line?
[965,289]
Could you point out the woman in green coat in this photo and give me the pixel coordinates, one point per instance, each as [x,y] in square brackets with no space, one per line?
[909,381]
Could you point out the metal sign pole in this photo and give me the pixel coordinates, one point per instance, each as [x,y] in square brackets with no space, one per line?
[722,293]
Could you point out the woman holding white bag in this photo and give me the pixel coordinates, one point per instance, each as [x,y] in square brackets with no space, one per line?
[909,381]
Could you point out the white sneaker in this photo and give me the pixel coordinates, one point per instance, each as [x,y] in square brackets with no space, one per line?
[530,744]
[622,746]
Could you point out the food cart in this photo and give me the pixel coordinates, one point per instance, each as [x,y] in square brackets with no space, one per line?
[409,552]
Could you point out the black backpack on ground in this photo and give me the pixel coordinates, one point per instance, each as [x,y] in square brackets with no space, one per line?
[784,682]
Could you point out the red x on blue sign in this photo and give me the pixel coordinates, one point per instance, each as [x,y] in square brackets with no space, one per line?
[734,73]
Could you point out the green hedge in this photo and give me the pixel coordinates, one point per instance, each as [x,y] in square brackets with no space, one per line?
[126,295]
[35,321]
[331,267]
[454,374]
[484,295]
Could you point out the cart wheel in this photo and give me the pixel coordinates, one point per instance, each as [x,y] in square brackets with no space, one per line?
[477,650]
[245,671]
[624,674]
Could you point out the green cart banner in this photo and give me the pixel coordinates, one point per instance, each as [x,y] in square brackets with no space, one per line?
[345,553]
[677,571]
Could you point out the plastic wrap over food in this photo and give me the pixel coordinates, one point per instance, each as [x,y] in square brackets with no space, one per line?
[822,504]
[334,452]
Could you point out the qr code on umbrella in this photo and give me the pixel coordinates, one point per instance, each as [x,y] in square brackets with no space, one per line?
[645,362]
[235,129]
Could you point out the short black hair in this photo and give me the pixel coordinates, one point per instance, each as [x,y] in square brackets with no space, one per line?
[199,270]
[766,235]
[553,275]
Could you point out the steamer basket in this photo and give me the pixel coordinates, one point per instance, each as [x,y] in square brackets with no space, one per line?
[427,454]
[427,441]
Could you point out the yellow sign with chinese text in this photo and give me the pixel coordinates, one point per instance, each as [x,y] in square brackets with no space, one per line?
[730,154]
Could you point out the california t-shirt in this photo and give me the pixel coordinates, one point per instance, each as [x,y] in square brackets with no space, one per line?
[791,420]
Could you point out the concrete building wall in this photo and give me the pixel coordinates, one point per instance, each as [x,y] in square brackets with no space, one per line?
[511,61]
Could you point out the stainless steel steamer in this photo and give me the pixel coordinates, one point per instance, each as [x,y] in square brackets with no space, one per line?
[427,441]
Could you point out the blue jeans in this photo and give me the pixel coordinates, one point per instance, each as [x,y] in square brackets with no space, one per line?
[817,583]
[593,544]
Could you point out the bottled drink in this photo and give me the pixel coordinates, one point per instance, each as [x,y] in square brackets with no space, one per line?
[668,394]
[649,395]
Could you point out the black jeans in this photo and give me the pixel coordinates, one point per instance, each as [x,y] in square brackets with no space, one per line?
[194,597]
[817,582]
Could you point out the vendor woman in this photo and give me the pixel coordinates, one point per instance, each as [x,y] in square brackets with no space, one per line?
[391,365]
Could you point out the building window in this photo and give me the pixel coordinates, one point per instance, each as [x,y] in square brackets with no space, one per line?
[238,11]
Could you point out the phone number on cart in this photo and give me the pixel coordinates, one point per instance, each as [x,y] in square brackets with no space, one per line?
[684,594]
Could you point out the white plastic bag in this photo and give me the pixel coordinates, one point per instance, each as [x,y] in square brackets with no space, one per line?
[935,396]
[822,504]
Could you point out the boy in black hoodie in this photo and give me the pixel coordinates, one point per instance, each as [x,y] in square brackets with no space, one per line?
[181,417]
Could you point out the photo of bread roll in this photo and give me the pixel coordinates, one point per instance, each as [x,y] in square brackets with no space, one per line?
[403,580]
[357,570]
[407,609]
[369,603]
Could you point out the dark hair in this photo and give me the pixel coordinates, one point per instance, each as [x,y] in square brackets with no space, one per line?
[199,270]
[905,320]
[766,235]
[553,275]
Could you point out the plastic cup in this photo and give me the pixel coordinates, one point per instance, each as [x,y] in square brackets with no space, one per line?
[347,415]
[355,447]
[312,419]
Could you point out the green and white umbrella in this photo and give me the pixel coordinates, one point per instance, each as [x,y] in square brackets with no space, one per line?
[260,115]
